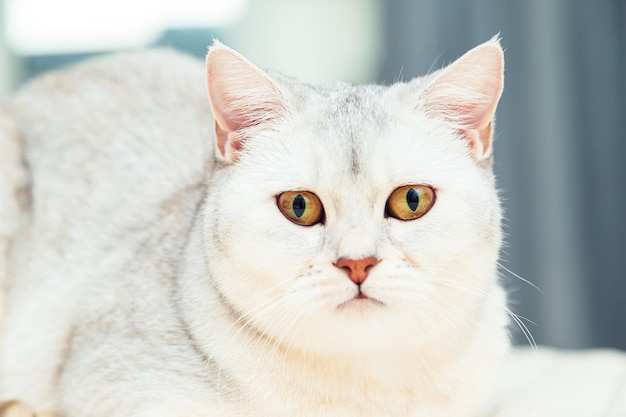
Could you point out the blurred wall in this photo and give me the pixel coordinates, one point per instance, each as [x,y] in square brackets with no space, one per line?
[8,62]
[316,41]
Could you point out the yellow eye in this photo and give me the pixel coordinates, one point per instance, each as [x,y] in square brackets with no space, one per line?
[301,207]
[410,202]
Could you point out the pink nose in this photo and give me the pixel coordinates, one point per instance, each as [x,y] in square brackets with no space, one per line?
[357,269]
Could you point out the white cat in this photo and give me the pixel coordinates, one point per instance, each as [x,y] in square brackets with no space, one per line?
[277,250]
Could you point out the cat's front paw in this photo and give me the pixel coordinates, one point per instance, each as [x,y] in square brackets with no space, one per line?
[17,409]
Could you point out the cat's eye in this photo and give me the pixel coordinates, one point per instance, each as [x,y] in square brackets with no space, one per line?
[301,207]
[410,202]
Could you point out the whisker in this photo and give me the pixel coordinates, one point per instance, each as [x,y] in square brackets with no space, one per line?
[521,278]
[516,318]
[527,334]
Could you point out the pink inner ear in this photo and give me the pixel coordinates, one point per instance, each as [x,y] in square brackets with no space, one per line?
[229,119]
[466,117]
[467,94]
[241,96]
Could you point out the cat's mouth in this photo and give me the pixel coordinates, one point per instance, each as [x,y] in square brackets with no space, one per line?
[361,299]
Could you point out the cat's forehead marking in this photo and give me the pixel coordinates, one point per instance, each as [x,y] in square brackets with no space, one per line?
[351,104]
[352,98]
[351,114]
[355,166]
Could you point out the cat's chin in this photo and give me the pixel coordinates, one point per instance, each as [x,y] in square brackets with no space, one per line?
[356,326]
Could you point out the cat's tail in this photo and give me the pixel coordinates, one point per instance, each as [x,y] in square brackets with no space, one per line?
[14,198]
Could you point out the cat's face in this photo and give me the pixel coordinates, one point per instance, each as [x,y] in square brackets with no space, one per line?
[354,222]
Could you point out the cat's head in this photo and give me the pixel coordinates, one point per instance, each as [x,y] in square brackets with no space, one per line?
[354,218]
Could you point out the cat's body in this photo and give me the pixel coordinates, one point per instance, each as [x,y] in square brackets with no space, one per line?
[150,271]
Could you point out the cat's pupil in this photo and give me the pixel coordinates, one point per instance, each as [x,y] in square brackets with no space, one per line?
[412,199]
[298,205]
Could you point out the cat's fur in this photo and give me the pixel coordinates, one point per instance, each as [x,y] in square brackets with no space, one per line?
[149,271]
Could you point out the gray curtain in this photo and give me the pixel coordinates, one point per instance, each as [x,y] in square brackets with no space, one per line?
[560,146]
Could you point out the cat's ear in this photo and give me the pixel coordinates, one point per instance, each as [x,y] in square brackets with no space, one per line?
[467,92]
[244,99]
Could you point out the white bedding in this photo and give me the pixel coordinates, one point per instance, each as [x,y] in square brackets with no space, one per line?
[551,383]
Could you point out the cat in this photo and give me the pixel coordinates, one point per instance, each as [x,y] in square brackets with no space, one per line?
[277,249]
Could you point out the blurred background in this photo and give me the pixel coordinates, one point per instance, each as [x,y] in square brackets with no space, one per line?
[561,125]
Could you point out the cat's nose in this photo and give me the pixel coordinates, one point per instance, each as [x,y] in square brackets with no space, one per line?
[357,269]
